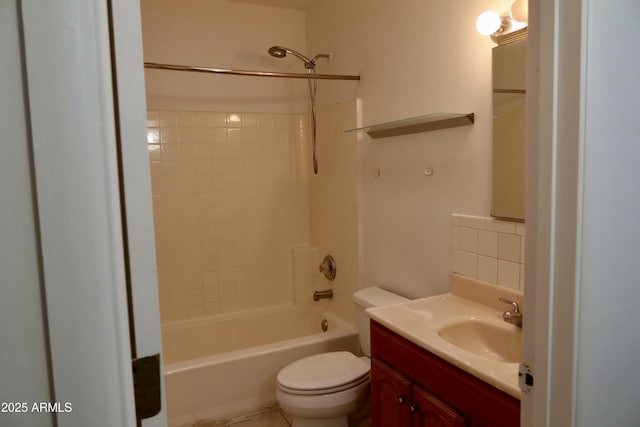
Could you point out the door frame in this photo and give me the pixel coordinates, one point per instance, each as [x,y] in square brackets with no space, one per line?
[555,87]
[70,87]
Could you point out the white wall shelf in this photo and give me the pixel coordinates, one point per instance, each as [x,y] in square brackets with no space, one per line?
[418,124]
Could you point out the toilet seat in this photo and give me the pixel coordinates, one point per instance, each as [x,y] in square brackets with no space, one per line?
[315,392]
[323,373]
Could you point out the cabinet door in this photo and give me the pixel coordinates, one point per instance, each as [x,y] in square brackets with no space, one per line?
[429,411]
[390,397]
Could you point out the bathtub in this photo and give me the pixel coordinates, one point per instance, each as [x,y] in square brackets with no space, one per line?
[226,366]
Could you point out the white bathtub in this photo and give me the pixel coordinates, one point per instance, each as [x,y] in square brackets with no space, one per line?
[226,366]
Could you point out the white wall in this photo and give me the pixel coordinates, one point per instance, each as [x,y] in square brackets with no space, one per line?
[222,34]
[415,58]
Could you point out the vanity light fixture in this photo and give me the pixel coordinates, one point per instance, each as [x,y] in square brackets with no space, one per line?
[491,23]
[520,11]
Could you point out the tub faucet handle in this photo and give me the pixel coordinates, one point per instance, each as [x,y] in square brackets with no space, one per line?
[328,267]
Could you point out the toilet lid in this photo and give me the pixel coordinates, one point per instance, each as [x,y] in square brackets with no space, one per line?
[323,371]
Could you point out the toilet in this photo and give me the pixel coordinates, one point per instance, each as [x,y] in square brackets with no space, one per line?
[325,390]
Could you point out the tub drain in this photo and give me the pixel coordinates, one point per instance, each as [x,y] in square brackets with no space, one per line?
[324,325]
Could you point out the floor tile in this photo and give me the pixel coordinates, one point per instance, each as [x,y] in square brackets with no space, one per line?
[272,418]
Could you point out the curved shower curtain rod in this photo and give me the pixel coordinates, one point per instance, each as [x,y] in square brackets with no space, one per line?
[228,71]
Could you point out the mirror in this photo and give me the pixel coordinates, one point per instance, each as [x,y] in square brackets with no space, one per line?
[509,62]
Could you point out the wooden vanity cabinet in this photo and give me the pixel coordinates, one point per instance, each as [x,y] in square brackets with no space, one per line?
[391,395]
[411,387]
[397,402]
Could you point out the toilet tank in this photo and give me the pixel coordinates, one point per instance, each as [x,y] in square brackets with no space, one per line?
[370,297]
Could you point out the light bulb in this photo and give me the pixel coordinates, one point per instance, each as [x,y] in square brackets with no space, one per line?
[520,10]
[488,22]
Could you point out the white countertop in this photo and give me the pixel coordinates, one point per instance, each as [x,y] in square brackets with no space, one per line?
[420,321]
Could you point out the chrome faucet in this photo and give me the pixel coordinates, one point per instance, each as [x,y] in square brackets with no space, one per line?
[513,316]
[318,295]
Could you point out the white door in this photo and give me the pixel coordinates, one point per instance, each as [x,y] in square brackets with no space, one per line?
[86,117]
[583,205]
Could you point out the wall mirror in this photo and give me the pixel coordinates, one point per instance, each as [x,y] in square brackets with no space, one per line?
[509,63]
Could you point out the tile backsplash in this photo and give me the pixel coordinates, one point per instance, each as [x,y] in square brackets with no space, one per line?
[488,249]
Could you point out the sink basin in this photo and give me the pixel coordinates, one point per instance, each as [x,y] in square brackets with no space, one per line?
[497,342]
[464,327]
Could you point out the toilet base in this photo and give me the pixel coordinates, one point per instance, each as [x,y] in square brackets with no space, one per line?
[325,410]
[329,410]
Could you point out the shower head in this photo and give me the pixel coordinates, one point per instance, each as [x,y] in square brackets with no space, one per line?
[277,51]
[310,65]
[281,52]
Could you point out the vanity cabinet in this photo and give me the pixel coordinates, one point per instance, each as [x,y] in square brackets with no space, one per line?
[398,402]
[411,387]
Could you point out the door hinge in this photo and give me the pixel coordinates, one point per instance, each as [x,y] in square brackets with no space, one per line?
[146,386]
[525,378]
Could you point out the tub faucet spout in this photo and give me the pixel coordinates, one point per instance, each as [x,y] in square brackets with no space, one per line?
[318,295]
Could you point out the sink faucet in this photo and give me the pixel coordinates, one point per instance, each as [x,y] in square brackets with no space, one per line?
[318,295]
[514,316]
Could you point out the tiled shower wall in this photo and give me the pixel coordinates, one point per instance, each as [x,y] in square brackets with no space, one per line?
[336,203]
[488,249]
[230,200]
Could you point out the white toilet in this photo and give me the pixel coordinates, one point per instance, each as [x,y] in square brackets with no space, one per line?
[325,389]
